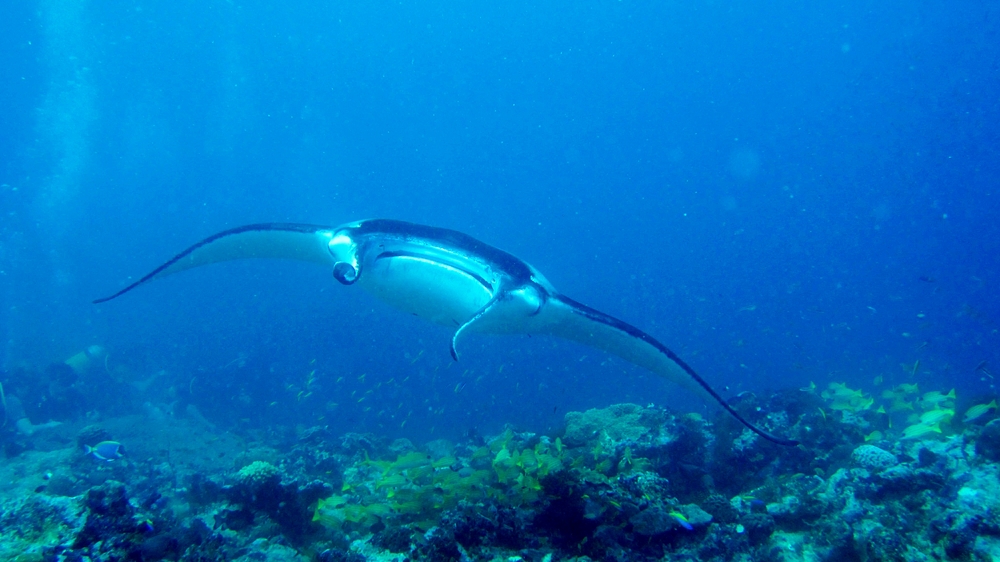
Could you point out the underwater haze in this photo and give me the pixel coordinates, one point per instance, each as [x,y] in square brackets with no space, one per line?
[783,193]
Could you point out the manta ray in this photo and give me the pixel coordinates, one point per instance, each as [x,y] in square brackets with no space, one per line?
[448,278]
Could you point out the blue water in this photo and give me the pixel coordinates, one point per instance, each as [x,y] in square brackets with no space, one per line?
[781,194]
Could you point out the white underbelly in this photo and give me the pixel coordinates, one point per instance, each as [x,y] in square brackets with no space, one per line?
[431,290]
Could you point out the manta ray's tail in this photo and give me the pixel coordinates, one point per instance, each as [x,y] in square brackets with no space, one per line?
[305,242]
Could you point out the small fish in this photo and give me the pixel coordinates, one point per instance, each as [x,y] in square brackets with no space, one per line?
[873,436]
[417,358]
[106,450]
[978,411]
[683,521]
[981,367]
[878,380]
[916,367]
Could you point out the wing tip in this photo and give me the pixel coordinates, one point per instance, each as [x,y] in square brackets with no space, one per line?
[119,293]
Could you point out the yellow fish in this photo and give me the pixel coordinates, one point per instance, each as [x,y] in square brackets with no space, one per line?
[978,411]
[920,429]
[873,436]
[892,394]
[392,481]
[854,403]
[934,399]
[900,405]
[840,390]
[936,416]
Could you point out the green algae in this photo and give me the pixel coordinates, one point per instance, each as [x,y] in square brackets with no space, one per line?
[415,488]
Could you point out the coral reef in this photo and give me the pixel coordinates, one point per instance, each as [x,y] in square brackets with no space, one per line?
[620,483]
[873,458]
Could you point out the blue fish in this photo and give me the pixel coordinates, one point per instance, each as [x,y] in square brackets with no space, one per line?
[106,450]
[683,521]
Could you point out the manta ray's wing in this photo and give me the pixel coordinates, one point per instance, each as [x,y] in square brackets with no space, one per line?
[304,242]
[566,318]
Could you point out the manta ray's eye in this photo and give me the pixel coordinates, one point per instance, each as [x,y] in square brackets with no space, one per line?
[344,272]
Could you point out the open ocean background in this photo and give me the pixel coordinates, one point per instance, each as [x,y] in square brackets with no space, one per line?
[782,193]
